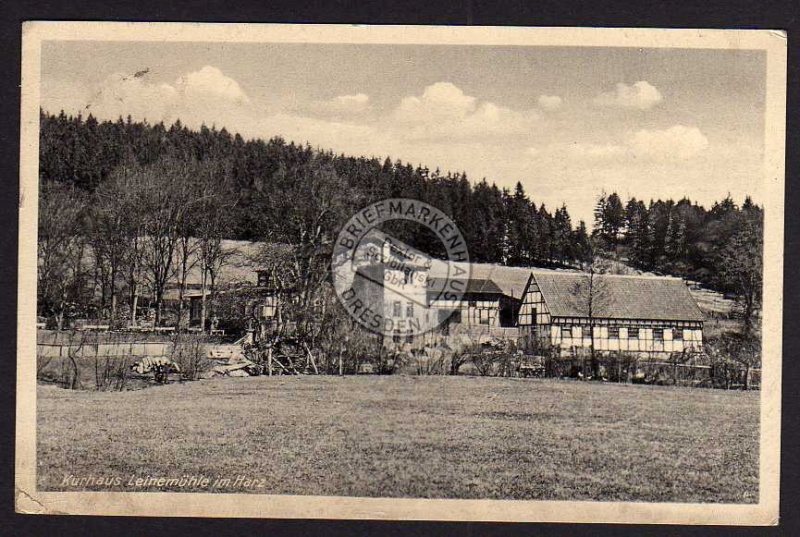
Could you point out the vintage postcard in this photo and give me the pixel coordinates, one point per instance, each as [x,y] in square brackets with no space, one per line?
[414,273]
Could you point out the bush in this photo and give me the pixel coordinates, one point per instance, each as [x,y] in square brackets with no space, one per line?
[190,352]
[103,373]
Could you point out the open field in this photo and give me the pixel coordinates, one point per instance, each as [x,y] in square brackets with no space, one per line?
[404,436]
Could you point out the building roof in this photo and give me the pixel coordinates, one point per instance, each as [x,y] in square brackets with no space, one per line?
[510,281]
[617,297]
[482,286]
[239,267]
[376,247]
[198,293]
[471,287]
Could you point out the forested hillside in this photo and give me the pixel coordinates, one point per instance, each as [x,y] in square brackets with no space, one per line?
[270,182]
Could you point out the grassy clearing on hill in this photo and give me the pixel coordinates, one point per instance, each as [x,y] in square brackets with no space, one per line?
[431,437]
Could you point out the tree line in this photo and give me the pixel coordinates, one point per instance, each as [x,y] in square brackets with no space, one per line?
[721,247]
[140,231]
[271,177]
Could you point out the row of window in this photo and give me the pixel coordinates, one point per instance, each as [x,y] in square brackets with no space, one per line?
[397,337]
[475,316]
[633,333]
[397,309]
[479,316]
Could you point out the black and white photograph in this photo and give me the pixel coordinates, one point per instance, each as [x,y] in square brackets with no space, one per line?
[415,273]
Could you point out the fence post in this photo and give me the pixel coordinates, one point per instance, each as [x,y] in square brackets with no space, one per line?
[97,375]
[675,370]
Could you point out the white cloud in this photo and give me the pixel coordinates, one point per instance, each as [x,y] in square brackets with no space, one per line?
[335,135]
[442,100]
[122,95]
[549,102]
[641,95]
[444,111]
[210,82]
[357,100]
[677,143]
[340,107]
[205,95]
[598,151]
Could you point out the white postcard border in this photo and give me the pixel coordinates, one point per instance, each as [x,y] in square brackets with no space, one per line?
[29,500]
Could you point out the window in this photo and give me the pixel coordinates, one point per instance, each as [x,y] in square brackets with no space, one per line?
[566,332]
[633,333]
[677,334]
[409,276]
[410,309]
[613,332]
[483,316]
[397,309]
[396,337]
[410,338]
[263,278]
[269,308]
[658,334]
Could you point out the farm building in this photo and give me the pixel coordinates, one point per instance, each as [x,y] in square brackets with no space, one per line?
[638,314]
[414,293]
[491,300]
[480,305]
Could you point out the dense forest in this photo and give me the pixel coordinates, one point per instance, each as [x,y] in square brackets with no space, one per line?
[720,247]
[269,179]
[134,195]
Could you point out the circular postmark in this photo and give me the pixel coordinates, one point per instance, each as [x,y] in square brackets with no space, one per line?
[391,288]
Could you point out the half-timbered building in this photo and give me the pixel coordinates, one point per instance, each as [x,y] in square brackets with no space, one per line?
[638,314]
[491,298]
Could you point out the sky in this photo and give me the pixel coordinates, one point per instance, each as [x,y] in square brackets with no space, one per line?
[567,122]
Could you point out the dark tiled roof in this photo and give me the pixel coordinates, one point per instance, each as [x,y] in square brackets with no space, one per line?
[472,286]
[511,281]
[617,297]
[481,286]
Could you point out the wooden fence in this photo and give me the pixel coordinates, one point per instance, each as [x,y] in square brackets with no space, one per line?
[100,366]
[91,350]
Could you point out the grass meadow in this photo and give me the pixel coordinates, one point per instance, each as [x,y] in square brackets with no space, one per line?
[407,436]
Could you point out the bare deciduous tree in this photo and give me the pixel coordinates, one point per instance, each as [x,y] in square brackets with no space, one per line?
[592,290]
[114,234]
[307,219]
[60,249]
[121,221]
[163,194]
[213,218]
